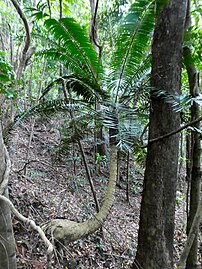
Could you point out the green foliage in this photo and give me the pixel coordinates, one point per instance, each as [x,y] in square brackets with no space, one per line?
[33,174]
[47,107]
[140,155]
[132,47]
[127,70]
[178,101]
[101,159]
[77,54]
[195,40]
[124,79]
[128,122]
[40,11]
[77,184]
[109,15]
[73,39]
[179,198]
[7,77]
[136,187]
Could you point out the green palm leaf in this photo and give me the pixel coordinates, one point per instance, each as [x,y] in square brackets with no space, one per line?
[67,59]
[74,41]
[84,87]
[132,45]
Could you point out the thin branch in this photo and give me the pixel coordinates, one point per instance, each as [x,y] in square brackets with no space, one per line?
[49,7]
[94,27]
[143,132]
[81,149]
[173,132]
[37,228]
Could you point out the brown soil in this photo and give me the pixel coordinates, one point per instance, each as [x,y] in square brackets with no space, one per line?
[50,184]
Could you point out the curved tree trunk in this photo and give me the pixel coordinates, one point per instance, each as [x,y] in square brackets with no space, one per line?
[156,228]
[7,242]
[70,231]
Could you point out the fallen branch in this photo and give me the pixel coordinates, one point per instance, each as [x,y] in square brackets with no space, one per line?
[37,228]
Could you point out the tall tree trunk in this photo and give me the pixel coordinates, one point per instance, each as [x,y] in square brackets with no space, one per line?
[7,242]
[155,238]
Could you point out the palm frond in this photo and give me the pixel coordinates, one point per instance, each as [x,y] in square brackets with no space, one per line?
[68,60]
[128,123]
[38,12]
[84,87]
[74,40]
[45,107]
[179,102]
[132,44]
[140,82]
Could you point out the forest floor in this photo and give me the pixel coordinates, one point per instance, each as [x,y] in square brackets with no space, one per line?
[48,183]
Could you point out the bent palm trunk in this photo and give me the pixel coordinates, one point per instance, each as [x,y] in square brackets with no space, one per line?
[70,231]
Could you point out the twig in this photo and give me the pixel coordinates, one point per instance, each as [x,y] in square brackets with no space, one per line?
[37,228]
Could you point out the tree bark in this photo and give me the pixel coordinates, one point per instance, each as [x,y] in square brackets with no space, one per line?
[155,238]
[7,241]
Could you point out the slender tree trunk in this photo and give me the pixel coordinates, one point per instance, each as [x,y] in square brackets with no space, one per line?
[195,187]
[181,152]
[7,241]
[101,147]
[191,237]
[155,238]
[128,178]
